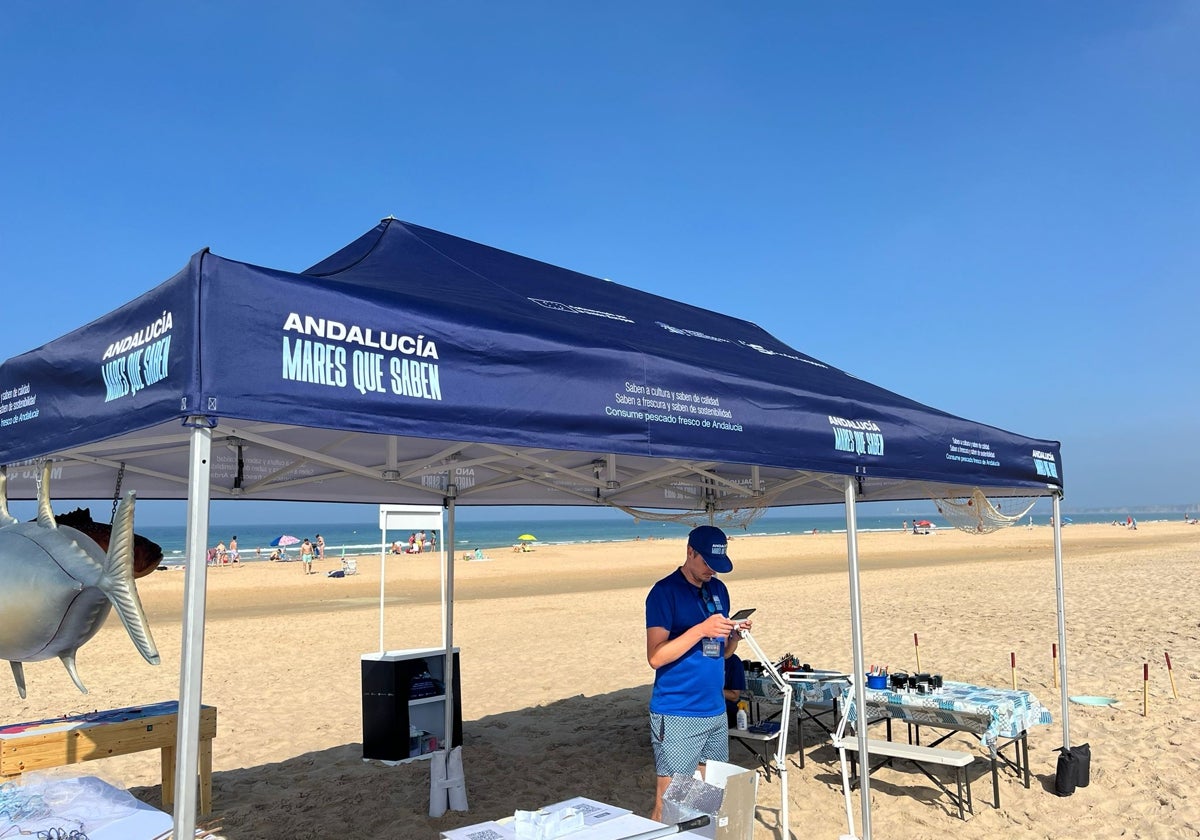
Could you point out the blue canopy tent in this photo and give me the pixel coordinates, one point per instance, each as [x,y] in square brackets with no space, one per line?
[415,367]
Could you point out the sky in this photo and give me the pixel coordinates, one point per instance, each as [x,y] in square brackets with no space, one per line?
[991,208]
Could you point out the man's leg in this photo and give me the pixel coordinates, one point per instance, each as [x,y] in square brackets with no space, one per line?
[664,782]
[681,745]
[676,753]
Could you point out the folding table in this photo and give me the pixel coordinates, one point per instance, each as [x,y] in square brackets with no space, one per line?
[1000,717]
[816,694]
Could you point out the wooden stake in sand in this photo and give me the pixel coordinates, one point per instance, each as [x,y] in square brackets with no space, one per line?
[917,648]
[1012,658]
[1145,688]
[1054,658]
[1171,674]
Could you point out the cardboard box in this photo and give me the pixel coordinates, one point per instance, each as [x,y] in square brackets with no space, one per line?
[728,794]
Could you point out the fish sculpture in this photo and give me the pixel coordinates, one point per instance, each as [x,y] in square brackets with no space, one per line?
[57,586]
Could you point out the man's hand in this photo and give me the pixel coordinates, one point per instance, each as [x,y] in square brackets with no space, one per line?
[717,626]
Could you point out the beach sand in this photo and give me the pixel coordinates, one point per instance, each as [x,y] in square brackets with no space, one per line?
[555,680]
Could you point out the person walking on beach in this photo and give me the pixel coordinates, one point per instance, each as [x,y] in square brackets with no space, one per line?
[688,637]
[320,547]
[234,557]
[306,555]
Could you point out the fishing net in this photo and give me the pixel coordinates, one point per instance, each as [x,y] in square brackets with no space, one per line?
[976,514]
[724,519]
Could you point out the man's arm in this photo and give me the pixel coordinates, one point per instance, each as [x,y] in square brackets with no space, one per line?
[662,650]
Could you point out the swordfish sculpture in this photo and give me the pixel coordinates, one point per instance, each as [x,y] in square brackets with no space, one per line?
[57,586]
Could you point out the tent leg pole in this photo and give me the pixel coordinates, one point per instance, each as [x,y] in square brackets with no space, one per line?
[448,617]
[1062,619]
[859,682]
[382,579]
[191,670]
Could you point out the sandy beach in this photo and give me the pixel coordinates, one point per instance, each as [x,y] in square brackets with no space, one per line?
[555,682]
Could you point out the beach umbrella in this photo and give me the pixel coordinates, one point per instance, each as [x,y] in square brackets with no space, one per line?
[284,540]
[924,523]
[527,537]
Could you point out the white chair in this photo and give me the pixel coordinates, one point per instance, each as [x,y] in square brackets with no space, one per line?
[349,566]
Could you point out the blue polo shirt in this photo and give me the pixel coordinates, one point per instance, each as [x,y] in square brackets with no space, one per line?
[691,685]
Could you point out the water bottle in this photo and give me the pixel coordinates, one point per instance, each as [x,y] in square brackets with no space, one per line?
[742,721]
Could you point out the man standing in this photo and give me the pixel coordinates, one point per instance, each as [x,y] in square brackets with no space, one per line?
[688,636]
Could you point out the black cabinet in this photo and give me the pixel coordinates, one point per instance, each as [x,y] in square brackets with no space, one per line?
[390,711]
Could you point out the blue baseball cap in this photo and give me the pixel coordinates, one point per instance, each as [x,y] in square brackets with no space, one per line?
[710,542]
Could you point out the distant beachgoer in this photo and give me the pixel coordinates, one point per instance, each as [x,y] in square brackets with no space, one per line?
[222,554]
[234,556]
[906,526]
[396,549]
[306,555]
[320,547]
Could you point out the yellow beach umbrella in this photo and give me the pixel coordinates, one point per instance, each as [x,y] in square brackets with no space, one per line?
[527,537]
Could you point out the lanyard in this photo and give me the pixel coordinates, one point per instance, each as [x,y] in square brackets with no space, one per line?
[708,606]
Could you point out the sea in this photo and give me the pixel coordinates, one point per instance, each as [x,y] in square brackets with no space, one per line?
[254,541]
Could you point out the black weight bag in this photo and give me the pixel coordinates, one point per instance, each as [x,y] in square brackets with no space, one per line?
[1074,769]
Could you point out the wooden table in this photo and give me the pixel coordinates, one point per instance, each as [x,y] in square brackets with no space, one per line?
[69,740]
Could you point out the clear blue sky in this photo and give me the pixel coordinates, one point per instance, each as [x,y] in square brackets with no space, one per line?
[989,207]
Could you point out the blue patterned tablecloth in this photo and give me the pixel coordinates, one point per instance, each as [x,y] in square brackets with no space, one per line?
[805,692]
[990,713]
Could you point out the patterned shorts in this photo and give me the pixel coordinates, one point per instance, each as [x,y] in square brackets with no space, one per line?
[682,743]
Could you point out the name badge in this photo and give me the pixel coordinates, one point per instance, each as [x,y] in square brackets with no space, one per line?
[711,647]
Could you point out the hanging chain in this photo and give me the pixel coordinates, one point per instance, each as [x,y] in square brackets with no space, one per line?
[117,492]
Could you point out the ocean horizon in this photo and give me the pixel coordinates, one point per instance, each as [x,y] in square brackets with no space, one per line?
[254,541]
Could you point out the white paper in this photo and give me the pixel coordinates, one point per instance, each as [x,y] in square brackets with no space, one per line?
[593,812]
[481,831]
